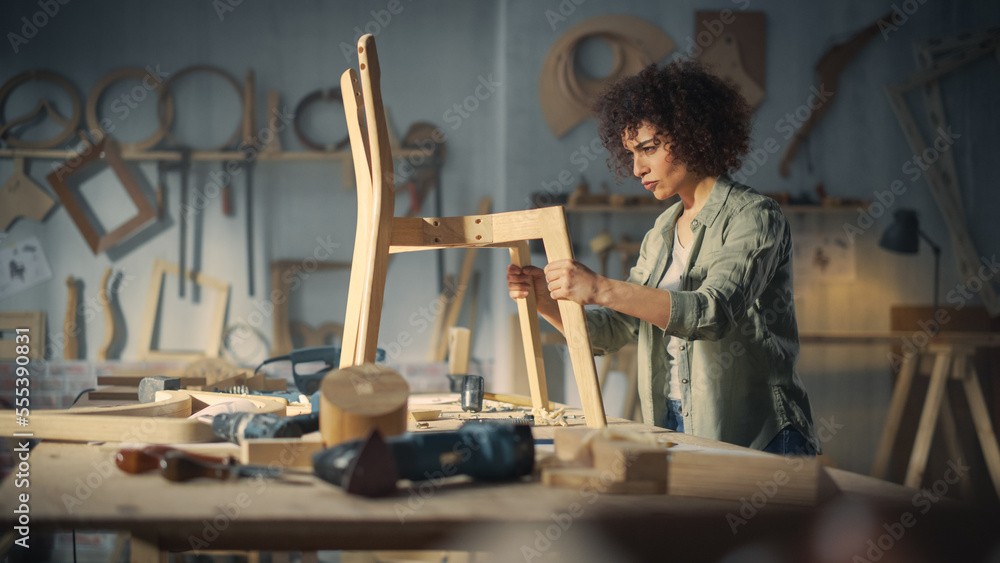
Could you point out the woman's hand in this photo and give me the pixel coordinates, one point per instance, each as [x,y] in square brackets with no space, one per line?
[520,280]
[571,280]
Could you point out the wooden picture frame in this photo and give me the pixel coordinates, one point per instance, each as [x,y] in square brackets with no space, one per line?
[106,150]
[160,269]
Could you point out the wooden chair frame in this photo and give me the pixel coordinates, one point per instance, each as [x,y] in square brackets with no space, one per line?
[379,233]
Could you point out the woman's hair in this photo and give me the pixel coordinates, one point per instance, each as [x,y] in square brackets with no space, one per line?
[705,120]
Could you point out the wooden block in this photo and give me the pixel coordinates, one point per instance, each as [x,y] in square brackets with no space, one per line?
[568,441]
[281,452]
[735,475]
[597,480]
[422,416]
[358,399]
[629,461]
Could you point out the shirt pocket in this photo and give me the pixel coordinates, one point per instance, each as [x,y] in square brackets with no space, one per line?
[694,278]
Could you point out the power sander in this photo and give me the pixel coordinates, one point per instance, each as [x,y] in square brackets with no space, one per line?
[371,467]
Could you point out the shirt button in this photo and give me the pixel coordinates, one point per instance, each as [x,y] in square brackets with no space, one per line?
[684,381]
[681,347]
[694,222]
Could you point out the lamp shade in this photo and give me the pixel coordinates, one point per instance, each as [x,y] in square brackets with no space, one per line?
[903,235]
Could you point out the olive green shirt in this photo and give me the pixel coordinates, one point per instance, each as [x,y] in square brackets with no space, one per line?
[735,314]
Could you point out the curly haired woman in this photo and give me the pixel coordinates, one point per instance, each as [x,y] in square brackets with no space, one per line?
[710,298]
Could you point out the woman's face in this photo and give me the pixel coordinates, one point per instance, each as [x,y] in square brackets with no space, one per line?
[653,164]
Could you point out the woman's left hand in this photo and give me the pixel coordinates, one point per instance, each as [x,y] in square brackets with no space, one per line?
[571,280]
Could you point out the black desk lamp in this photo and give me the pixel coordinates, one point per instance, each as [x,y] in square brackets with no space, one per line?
[904,235]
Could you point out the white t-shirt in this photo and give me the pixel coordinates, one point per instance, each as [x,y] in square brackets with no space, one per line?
[672,280]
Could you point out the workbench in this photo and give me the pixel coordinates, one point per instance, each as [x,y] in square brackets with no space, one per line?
[76,486]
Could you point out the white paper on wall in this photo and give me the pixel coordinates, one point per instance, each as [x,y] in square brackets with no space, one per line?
[22,265]
[824,257]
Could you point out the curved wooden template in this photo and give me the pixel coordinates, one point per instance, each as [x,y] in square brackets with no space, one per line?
[109,318]
[171,406]
[70,125]
[135,73]
[203,399]
[71,345]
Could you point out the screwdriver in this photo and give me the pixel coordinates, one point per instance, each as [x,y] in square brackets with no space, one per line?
[148,458]
[179,466]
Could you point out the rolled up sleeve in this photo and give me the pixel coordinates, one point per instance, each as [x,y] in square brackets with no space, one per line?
[734,276]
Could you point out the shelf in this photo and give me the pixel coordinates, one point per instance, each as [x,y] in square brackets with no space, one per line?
[197,156]
[604,208]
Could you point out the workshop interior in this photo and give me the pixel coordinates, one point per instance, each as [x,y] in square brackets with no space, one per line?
[254,302]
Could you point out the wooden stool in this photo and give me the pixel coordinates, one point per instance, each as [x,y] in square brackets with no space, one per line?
[379,234]
[952,358]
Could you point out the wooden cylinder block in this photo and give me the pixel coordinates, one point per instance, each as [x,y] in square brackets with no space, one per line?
[357,399]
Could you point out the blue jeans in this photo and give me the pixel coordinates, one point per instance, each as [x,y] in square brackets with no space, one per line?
[788,441]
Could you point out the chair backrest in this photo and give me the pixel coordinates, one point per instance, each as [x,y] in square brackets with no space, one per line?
[368,132]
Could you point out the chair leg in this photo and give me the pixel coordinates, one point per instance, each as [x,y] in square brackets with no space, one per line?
[581,355]
[527,313]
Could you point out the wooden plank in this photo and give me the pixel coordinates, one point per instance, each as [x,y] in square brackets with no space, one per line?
[109,428]
[134,380]
[714,473]
[114,393]
[628,461]
[596,480]
[458,350]
[281,452]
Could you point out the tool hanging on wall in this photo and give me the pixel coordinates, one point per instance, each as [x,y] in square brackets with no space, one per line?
[69,125]
[144,75]
[20,196]
[250,147]
[828,71]
[227,191]
[110,318]
[71,344]
[183,168]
